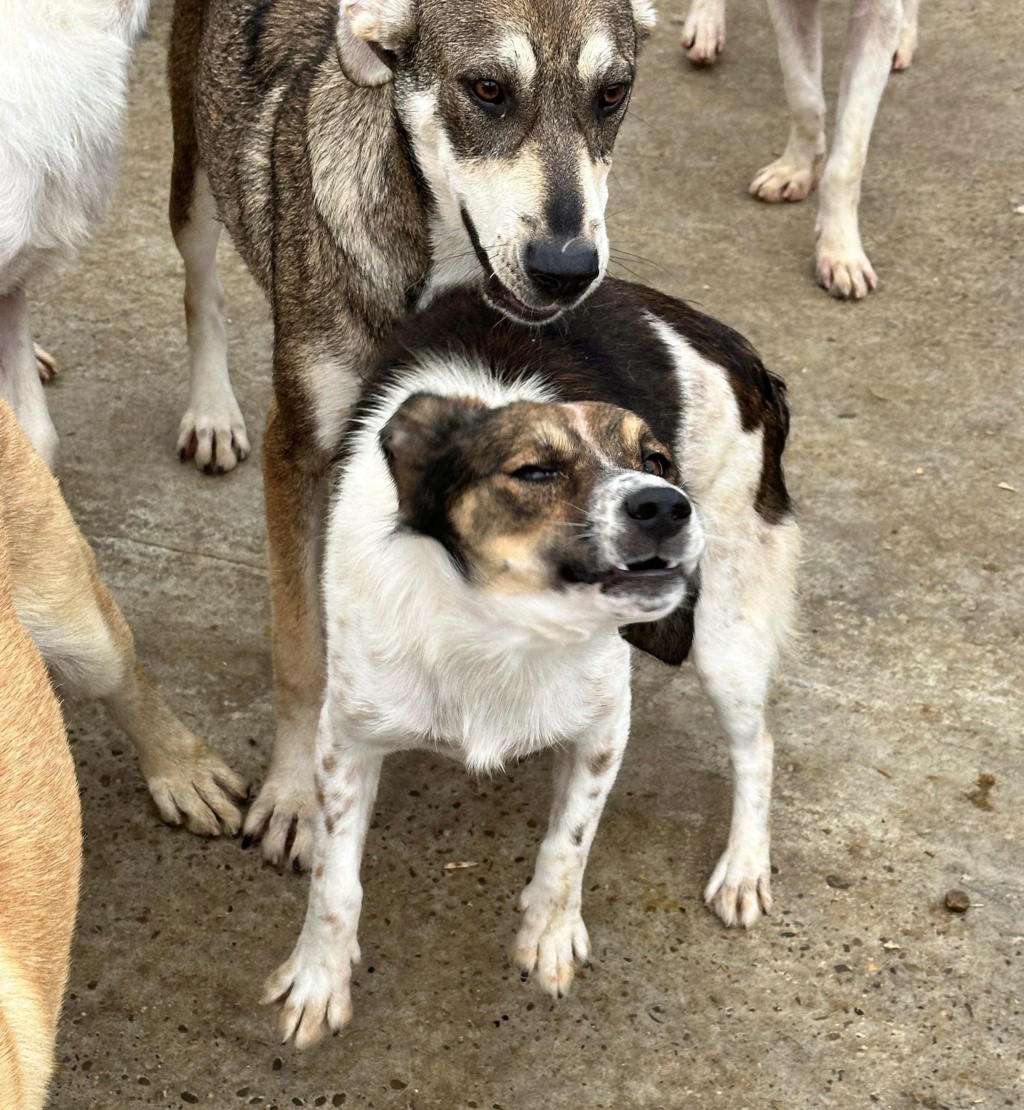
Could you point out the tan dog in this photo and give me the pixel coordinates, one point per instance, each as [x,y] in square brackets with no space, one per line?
[40,856]
[64,606]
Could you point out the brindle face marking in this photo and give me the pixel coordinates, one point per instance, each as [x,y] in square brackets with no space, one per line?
[533,497]
[513,107]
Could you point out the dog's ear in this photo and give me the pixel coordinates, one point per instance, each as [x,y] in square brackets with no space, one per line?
[370,33]
[417,443]
[645,17]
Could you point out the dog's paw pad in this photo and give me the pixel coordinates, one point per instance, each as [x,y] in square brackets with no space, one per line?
[215,438]
[283,818]
[783,180]
[739,891]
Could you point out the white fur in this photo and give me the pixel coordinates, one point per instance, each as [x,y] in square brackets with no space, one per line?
[881,36]
[25,1016]
[558,674]
[743,615]
[64,67]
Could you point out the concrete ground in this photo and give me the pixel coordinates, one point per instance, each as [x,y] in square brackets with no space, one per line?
[861,989]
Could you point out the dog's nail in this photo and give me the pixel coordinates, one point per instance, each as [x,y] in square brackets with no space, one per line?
[524,976]
[296,864]
[247,840]
[181,454]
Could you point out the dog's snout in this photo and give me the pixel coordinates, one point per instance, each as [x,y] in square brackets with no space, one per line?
[562,269]
[658,511]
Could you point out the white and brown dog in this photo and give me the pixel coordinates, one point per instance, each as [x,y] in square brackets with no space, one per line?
[882,35]
[506,499]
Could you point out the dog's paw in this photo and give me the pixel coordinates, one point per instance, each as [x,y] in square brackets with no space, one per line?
[194,787]
[213,435]
[703,36]
[46,365]
[783,180]
[283,818]
[313,990]
[905,49]
[843,270]
[550,942]
[740,887]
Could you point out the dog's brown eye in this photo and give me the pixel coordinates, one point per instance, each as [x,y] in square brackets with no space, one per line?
[612,97]
[534,473]
[657,465]
[488,92]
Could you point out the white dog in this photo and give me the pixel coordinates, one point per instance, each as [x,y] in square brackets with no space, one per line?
[882,35]
[63,81]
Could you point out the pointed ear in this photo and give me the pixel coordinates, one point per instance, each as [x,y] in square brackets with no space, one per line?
[415,440]
[645,18]
[370,33]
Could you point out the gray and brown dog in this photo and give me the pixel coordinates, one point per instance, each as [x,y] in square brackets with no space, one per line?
[363,159]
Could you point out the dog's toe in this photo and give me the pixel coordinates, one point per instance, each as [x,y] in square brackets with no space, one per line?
[782,181]
[551,942]
[214,438]
[703,36]
[283,816]
[314,995]
[739,890]
[192,786]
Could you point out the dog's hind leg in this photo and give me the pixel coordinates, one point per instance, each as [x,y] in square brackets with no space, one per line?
[295,491]
[798,30]
[212,431]
[907,44]
[553,937]
[741,620]
[704,32]
[842,266]
[20,384]
[80,633]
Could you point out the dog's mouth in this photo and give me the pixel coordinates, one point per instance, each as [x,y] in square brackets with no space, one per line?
[502,298]
[498,294]
[650,575]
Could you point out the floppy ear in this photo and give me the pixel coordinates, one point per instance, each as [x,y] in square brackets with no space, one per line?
[645,17]
[416,440]
[370,33]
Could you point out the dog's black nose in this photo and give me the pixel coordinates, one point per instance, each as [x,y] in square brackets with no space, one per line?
[562,268]
[659,511]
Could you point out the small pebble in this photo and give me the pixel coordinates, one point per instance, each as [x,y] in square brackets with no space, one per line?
[958,901]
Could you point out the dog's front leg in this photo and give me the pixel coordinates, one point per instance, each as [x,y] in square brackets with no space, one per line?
[295,491]
[872,38]
[313,986]
[552,936]
[20,383]
[798,31]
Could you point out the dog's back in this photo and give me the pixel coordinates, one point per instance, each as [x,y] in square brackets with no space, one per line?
[40,854]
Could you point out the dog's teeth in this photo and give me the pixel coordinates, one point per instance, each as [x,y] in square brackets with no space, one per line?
[670,565]
[622,567]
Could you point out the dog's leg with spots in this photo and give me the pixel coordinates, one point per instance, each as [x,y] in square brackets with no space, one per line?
[741,621]
[553,937]
[704,32]
[798,30]
[313,986]
[842,266]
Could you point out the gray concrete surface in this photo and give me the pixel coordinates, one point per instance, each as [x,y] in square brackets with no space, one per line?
[861,989]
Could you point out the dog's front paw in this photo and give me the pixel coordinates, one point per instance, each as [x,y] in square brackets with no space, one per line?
[194,787]
[783,180]
[740,887]
[704,32]
[213,435]
[313,990]
[843,269]
[46,365]
[551,941]
[283,818]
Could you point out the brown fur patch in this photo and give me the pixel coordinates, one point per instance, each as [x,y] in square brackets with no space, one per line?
[599,762]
